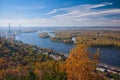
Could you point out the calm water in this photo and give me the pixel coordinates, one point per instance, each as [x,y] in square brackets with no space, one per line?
[33,38]
[108,55]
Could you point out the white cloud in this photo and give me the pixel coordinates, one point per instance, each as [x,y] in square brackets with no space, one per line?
[82,15]
[52,12]
[89,14]
[85,7]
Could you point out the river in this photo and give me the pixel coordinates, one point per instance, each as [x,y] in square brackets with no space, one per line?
[108,55]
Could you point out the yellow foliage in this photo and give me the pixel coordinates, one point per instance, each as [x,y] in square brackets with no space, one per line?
[79,66]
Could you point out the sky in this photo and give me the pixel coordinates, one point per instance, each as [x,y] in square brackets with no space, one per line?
[60,12]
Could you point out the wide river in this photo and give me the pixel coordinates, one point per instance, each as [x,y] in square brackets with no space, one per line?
[108,55]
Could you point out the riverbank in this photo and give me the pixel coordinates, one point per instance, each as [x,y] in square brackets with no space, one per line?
[108,55]
[102,67]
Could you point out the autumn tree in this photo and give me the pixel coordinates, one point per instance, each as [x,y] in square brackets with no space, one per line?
[80,66]
[49,70]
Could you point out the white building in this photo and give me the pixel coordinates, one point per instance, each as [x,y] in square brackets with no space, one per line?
[74,39]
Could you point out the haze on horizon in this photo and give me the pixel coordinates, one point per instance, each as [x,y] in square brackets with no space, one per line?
[60,12]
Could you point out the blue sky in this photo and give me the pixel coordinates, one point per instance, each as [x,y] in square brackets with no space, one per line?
[60,12]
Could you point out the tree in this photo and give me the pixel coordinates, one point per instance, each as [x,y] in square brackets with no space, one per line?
[49,70]
[79,65]
[97,54]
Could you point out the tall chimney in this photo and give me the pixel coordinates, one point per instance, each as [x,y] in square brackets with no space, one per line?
[9,29]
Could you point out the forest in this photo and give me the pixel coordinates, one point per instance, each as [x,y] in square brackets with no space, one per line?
[19,61]
[109,38]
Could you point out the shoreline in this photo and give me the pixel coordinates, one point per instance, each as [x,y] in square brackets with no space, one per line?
[66,55]
[102,67]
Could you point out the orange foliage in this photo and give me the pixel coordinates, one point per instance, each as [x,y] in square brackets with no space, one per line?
[79,66]
[3,63]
